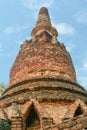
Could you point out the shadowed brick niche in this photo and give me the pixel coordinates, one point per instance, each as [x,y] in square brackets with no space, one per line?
[43,93]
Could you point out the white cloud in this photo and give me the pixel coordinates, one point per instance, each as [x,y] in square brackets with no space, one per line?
[85,65]
[70,46]
[82,74]
[85,60]
[35,4]
[19,42]
[81,16]
[11,29]
[82,79]
[1,48]
[64,28]
[6,55]
[85,0]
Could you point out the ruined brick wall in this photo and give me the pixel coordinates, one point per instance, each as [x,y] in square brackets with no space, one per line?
[78,123]
[42,59]
[43,92]
[43,55]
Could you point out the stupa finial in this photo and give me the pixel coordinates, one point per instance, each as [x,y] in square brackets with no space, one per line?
[43,17]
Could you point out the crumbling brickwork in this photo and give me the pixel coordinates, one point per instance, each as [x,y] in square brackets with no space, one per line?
[43,55]
[43,93]
[43,59]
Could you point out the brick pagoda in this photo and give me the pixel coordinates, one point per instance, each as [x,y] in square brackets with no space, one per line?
[43,93]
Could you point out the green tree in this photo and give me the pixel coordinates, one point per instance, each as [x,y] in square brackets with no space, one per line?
[2,88]
[5,124]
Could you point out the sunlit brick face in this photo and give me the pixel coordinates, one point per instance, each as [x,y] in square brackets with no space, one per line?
[43,55]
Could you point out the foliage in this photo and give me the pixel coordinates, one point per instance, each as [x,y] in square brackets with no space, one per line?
[2,88]
[3,85]
[5,124]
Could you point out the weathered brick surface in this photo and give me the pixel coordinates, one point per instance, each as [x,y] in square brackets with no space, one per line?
[17,123]
[43,93]
[43,55]
[43,18]
[79,123]
[43,59]
[42,90]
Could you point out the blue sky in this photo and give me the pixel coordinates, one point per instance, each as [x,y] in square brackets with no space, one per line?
[18,18]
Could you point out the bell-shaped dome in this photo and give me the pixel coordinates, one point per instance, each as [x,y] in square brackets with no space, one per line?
[42,56]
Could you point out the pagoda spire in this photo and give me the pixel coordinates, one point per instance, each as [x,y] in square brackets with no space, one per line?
[43,18]
[44,27]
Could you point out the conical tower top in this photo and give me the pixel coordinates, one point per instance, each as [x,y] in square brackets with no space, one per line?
[43,24]
[43,18]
